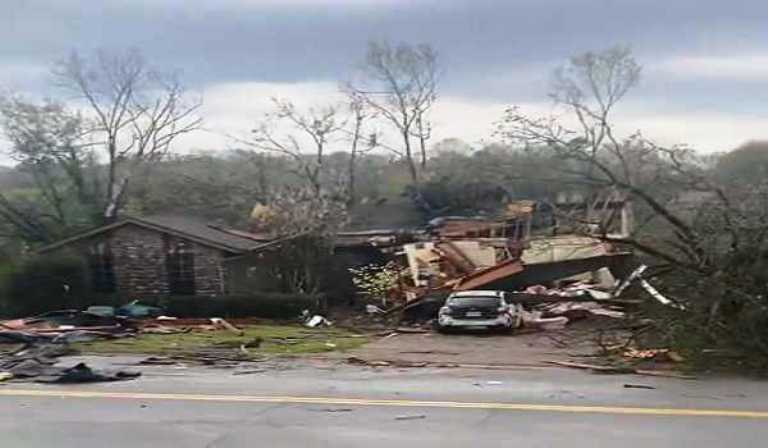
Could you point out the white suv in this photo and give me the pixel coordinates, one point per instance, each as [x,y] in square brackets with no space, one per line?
[479,309]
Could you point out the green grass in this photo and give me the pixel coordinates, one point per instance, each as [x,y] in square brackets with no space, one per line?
[276,339]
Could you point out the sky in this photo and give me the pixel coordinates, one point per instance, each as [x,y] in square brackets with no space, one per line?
[705,62]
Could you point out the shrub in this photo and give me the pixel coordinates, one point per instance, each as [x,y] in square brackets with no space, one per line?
[45,283]
[6,271]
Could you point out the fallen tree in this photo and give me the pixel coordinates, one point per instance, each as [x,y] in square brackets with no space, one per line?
[706,236]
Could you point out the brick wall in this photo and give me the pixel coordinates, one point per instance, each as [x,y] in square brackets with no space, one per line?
[138,256]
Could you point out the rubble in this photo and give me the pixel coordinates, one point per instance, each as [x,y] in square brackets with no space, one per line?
[64,326]
[498,253]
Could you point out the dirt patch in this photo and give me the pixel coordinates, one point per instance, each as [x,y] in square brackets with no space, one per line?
[532,349]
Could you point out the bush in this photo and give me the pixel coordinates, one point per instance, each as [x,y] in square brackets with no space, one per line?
[6,271]
[59,282]
[265,305]
[45,283]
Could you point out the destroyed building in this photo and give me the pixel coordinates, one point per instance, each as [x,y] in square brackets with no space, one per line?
[458,253]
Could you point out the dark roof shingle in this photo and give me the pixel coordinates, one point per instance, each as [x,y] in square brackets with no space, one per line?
[234,241]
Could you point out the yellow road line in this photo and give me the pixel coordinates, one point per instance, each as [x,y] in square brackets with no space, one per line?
[680,412]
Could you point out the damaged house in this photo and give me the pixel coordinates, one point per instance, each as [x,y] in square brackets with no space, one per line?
[169,255]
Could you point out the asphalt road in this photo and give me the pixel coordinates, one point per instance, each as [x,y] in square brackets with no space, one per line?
[335,405]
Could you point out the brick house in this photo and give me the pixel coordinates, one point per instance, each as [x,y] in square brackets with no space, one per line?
[169,255]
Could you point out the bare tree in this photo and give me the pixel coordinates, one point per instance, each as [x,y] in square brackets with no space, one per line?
[400,83]
[361,142]
[709,237]
[590,87]
[135,113]
[302,137]
[692,223]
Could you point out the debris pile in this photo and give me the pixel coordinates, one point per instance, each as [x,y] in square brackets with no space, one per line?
[34,344]
[558,279]
[65,326]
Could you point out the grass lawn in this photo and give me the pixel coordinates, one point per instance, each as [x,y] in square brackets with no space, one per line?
[275,339]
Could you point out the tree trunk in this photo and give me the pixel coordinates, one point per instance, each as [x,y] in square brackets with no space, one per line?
[414,172]
[113,206]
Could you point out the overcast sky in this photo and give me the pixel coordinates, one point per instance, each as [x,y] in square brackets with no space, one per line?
[705,78]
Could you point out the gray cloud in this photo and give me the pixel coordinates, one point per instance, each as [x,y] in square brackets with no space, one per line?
[499,50]
[300,40]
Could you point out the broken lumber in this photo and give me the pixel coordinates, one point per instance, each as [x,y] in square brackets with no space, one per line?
[593,367]
[620,370]
[408,330]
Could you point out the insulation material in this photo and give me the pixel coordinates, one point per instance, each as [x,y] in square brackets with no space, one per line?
[422,261]
[561,248]
[482,255]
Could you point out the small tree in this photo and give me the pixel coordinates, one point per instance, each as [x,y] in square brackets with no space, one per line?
[377,282]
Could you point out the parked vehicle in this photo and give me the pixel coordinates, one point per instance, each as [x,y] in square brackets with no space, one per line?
[479,310]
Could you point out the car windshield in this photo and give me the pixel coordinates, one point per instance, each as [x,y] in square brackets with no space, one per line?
[474,301]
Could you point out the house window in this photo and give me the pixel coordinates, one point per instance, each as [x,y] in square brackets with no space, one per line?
[180,263]
[102,269]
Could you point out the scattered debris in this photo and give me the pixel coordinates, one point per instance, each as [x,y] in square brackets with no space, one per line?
[248,372]
[373,309]
[593,367]
[317,321]
[136,310]
[659,296]
[49,326]
[81,373]
[394,363]
[221,323]
[638,386]
[157,361]
[408,330]
[657,354]
[430,352]
[534,320]
[411,417]
[408,364]
[36,363]
[621,370]
[106,311]
[357,361]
